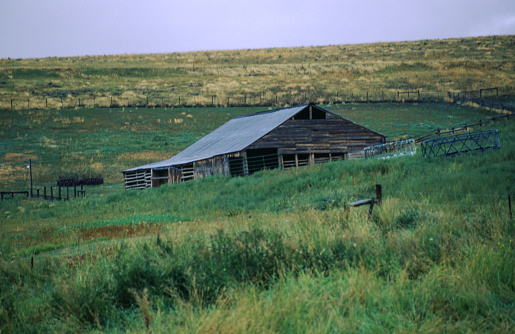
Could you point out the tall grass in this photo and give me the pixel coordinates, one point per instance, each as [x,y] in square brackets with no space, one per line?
[279,252]
[203,78]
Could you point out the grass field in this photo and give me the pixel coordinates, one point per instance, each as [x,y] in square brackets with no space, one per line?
[107,141]
[277,251]
[290,75]
[274,252]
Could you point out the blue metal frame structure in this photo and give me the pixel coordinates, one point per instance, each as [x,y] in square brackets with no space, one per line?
[462,143]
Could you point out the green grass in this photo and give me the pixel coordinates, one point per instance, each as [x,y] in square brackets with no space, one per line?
[276,251]
[107,141]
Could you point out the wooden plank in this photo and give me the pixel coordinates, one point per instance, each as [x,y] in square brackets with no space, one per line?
[363,202]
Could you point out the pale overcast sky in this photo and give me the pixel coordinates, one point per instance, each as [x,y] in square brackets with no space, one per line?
[48,28]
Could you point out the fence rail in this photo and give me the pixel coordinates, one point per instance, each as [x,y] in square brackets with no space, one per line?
[269,98]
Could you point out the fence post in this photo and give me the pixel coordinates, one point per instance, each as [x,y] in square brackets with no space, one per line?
[28,104]
[60,193]
[11,104]
[379,194]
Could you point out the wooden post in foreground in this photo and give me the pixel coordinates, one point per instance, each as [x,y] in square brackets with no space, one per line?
[379,195]
[370,201]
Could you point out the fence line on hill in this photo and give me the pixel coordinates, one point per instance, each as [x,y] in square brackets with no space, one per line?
[255,99]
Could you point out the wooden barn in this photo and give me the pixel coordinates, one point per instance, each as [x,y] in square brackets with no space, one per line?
[285,138]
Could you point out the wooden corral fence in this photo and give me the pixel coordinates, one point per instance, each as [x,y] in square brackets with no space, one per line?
[47,193]
[467,142]
[10,194]
[60,194]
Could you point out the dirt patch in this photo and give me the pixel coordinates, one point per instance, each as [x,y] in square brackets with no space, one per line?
[145,155]
[120,231]
[97,166]
[19,157]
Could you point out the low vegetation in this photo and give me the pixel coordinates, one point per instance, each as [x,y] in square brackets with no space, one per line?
[270,76]
[65,143]
[276,251]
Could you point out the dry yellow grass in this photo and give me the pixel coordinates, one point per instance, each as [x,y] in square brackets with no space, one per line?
[255,75]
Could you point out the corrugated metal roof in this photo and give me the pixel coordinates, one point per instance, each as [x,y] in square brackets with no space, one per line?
[233,136]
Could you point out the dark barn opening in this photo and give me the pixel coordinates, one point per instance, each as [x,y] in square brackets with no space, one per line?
[260,159]
[236,166]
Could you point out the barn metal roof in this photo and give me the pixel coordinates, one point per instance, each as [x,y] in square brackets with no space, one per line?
[234,136]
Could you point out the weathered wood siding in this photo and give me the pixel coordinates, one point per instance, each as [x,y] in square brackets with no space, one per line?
[209,167]
[330,135]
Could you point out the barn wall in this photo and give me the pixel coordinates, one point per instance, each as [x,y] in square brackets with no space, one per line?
[212,166]
[330,135]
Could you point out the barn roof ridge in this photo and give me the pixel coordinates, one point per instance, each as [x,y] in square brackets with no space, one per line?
[271,111]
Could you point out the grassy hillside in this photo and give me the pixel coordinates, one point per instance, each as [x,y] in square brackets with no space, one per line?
[291,75]
[107,141]
[274,252]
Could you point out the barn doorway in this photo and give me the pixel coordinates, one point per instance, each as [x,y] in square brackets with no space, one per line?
[260,159]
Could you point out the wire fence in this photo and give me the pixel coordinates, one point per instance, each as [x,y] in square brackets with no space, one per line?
[269,98]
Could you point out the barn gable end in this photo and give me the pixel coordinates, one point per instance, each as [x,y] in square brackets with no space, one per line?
[283,138]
